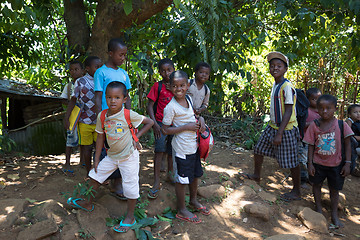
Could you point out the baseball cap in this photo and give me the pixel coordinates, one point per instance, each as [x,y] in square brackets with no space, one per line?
[278,55]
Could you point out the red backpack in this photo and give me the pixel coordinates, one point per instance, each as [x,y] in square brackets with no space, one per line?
[127,117]
[205,139]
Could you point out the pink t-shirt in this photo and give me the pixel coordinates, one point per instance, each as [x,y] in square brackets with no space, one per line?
[312,115]
[327,143]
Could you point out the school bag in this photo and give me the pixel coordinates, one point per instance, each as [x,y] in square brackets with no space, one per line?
[354,145]
[301,107]
[205,139]
[128,121]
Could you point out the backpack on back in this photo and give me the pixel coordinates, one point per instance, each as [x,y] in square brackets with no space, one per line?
[302,105]
[160,84]
[354,145]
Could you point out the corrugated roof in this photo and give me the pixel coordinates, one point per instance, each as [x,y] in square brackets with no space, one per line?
[20,87]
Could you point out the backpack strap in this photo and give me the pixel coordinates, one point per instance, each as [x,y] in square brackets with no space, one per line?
[277,102]
[206,89]
[189,99]
[131,127]
[160,84]
[317,123]
[341,126]
[102,118]
[191,81]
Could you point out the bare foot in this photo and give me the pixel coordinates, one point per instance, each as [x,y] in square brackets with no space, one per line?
[336,221]
[290,196]
[250,176]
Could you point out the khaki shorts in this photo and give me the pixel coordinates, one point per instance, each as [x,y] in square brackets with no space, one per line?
[87,134]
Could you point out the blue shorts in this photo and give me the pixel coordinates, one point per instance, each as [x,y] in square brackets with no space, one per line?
[72,138]
[163,144]
[187,168]
[332,174]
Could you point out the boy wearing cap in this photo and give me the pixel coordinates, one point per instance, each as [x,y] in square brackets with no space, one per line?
[280,138]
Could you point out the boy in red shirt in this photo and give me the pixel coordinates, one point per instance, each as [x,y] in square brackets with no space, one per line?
[325,154]
[159,96]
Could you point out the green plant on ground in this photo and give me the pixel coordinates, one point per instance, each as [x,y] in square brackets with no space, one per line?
[81,190]
[6,143]
[84,234]
[223,177]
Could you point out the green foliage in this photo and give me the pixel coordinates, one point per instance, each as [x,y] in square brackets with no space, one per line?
[84,234]
[251,129]
[6,143]
[82,190]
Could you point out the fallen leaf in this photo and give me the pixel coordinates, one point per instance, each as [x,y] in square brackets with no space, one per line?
[13,176]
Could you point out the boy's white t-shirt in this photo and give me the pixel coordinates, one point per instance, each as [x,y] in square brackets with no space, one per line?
[118,134]
[184,143]
[65,93]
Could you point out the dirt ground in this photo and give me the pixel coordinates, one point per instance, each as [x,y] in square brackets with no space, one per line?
[41,178]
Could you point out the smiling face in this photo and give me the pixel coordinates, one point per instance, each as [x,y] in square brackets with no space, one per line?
[355,114]
[202,74]
[277,69]
[179,87]
[326,109]
[115,99]
[118,56]
[165,70]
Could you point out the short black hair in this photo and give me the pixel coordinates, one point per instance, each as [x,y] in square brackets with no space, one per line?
[351,107]
[116,84]
[89,60]
[76,62]
[312,91]
[114,43]
[178,74]
[202,64]
[280,60]
[327,97]
[165,61]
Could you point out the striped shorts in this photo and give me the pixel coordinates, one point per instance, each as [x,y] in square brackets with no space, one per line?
[286,153]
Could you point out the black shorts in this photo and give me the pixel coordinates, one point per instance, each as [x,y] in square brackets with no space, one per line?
[334,178]
[186,170]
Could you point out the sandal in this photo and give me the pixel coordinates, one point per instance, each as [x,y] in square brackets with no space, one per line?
[153,194]
[73,203]
[193,219]
[128,226]
[203,210]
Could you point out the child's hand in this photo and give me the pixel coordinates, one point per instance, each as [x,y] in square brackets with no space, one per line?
[157,130]
[345,171]
[277,139]
[197,111]
[193,126]
[311,169]
[137,145]
[202,125]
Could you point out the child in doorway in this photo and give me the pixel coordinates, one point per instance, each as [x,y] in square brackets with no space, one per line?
[85,95]
[76,71]
[123,153]
[179,119]
[325,154]
[198,90]
[159,96]
[312,94]
[353,121]
[280,138]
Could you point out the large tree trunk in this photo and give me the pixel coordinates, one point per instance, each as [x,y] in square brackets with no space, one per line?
[78,31]
[111,19]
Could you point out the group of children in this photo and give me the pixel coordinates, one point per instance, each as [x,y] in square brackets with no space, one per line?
[325,150]
[106,119]
[174,108]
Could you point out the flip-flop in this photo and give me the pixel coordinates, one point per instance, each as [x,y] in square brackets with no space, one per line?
[203,210]
[119,196]
[187,219]
[68,172]
[117,228]
[247,176]
[284,197]
[73,203]
[155,193]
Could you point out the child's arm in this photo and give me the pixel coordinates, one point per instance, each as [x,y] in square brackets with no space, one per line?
[346,169]
[68,112]
[168,130]
[310,165]
[202,124]
[150,111]
[99,145]
[284,122]
[148,123]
